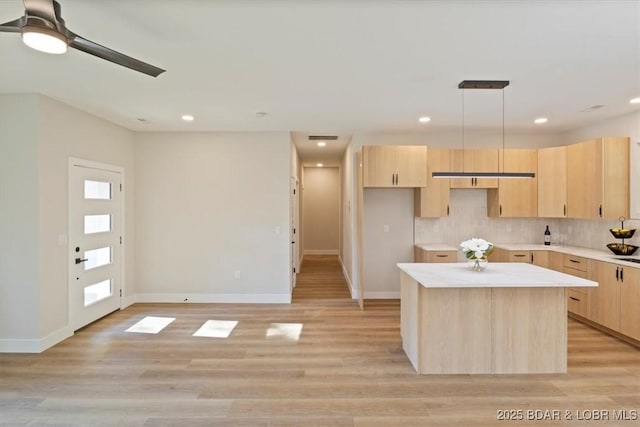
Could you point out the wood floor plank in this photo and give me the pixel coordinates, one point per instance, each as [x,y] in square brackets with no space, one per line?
[346,368]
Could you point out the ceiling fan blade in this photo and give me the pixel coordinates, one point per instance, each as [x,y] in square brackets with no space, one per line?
[12,26]
[43,8]
[87,46]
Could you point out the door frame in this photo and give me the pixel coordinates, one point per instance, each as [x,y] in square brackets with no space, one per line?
[78,162]
[294,194]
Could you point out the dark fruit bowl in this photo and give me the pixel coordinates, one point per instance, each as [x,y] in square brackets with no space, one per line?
[622,233]
[620,249]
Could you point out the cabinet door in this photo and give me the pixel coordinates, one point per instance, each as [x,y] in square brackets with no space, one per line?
[540,258]
[378,163]
[556,261]
[552,182]
[615,186]
[630,302]
[607,296]
[410,165]
[485,160]
[432,201]
[474,160]
[515,198]
[584,189]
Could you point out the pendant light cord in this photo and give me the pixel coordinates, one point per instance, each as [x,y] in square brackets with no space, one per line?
[503,164]
[463,90]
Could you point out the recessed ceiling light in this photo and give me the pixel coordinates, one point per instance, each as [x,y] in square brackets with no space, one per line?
[187,117]
[424,119]
[541,120]
[261,114]
[635,101]
[319,165]
[322,144]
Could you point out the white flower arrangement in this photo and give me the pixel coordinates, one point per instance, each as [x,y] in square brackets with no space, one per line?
[476,248]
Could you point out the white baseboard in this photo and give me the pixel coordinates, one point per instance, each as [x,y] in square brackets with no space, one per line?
[127,301]
[37,345]
[354,293]
[215,298]
[321,252]
[381,295]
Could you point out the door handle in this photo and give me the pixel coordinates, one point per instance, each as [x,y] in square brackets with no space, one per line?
[79,260]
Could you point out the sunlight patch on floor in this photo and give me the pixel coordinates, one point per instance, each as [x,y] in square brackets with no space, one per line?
[216,329]
[151,325]
[289,331]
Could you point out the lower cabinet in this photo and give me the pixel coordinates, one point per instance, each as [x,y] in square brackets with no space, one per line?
[614,303]
[616,300]
[539,258]
[421,255]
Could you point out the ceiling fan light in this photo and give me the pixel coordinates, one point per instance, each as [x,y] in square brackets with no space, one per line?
[44,39]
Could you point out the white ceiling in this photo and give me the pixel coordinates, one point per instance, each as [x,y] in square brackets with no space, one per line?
[339,66]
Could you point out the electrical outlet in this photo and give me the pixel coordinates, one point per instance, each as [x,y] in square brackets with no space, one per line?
[385,228]
[236,274]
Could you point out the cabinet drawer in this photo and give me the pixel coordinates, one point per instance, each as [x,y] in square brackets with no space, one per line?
[575,262]
[519,256]
[442,256]
[577,302]
[574,272]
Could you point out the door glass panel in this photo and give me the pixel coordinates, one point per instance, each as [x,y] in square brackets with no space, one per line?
[97,292]
[97,223]
[97,258]
[97,190]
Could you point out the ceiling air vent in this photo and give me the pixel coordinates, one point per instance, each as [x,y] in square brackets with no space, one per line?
[323,138]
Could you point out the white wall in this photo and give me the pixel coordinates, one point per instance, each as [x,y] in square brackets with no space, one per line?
[348,217]
[388,239]
[210,205]
[19,271]
[322,210]
[51,132]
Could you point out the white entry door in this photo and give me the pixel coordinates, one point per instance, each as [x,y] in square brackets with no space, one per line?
[95,241]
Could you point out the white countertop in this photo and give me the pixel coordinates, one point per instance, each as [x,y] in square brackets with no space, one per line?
[436,247]
[572,250]
[497,275]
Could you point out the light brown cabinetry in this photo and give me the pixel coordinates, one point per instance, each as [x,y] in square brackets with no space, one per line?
[630,302]
[432,201]
[421,255]
[515,197]
[577,298]
[539,258]
[556,261]
[394,165]
[474,160]
[552,182]
[599,184]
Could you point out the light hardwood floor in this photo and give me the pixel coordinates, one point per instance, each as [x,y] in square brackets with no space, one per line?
[346,369]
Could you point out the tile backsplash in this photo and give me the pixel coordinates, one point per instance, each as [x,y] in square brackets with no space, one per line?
[468,218]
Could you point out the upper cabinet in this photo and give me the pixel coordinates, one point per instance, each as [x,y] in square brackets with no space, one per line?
[552,182]
[474,160]
[515,197]
[432,201]
[394,165]
[598,184]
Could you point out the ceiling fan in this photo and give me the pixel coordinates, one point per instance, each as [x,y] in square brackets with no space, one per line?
[42,28]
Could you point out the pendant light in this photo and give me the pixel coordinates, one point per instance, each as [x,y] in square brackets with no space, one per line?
[483,84]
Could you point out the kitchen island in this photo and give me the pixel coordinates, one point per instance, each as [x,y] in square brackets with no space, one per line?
[510,318]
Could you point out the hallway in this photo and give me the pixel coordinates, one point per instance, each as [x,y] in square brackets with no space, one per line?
[320,277]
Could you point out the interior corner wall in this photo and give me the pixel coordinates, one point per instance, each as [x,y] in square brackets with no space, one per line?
[348,218]
[212,217]
[19,270]
[39,135]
